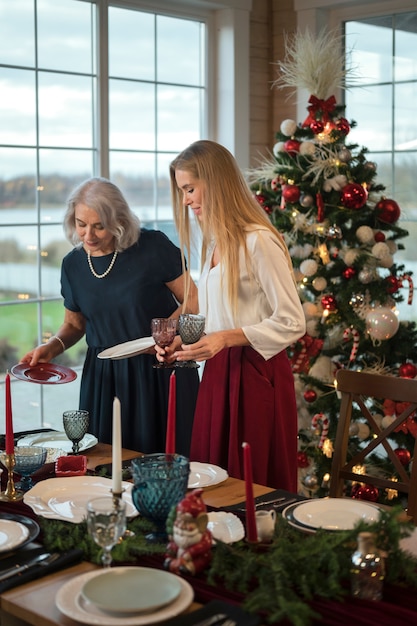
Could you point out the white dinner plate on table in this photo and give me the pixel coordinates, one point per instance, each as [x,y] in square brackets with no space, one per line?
[16,531]
[71,603]
[225,526]
[66,498]
[127,590]
[205,475]
[56,439]
[332,513]
[127,349]
[12,534]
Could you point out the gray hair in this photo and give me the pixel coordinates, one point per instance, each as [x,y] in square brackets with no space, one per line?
[108,202]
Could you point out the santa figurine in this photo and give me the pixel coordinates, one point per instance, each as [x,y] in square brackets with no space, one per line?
[189,548]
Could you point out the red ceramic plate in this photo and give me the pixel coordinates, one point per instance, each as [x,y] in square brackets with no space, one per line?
[44,373]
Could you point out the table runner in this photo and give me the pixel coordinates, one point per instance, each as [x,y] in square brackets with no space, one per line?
[398,607]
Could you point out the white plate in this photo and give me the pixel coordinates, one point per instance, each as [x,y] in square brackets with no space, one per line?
[225,526]
[70,602]
[205,475]
[127,590]
[56,440]
[12,534]
[334,513]
[66,498]
[128,348]
[287,514]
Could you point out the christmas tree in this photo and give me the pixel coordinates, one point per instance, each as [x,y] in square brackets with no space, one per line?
[343,233]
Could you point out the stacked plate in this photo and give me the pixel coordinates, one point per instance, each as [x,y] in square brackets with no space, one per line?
[16,531]
[66,498]
[330,514]
[124,596]
[205,475]
[56,439]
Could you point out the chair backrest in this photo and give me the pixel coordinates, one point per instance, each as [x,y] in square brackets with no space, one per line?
[360,389]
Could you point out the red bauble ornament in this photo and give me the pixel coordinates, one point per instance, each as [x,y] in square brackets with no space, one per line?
[379,236]
[310,395]
[354,490]
[367,492]
[388,210]
[329,302]
[317,127]
[292,146]
[343,126]
[403,455]
[393,284]
[349,272]
[407,370]
[291,193]
[353,196]
[302,459]
[260,198]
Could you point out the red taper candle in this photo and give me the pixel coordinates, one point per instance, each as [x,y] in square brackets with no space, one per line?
[251,532]
[9,418]
[172,415]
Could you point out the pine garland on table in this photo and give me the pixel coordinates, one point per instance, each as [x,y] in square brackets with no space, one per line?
[278,581]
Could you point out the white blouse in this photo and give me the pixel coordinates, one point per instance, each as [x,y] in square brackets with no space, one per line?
[269,310]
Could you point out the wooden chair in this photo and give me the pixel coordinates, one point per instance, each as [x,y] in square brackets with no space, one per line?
[358,388]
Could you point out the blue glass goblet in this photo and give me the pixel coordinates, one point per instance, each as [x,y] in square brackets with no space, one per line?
[28,459]
[160,482]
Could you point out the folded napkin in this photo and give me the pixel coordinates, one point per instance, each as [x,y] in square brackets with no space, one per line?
[215,607]
[21,557]
[267,501]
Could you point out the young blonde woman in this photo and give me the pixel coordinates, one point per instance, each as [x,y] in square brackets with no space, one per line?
[253,313]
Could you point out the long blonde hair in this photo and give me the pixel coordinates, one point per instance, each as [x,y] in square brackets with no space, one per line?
[228,208]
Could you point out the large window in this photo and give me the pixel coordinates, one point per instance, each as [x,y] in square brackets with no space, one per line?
[382,102]
[82,94]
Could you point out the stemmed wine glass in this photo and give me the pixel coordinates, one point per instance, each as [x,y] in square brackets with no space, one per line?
[191,329]
[159,483]
[75,426]
[106,523]
[163,331]
[28,459]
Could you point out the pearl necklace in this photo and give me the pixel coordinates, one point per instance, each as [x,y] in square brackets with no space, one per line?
[108,270]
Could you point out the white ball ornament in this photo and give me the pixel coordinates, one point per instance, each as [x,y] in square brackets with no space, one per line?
[392,246]
[278,147]
[386,261]
[380,250]
[307,148]
[364,431]
[387,420]
[288,127]
[381,323]
[378,419]
[350,256]
[312,328]
[354,429]
[310,309]
[309,267]
[319,283]
[365,234]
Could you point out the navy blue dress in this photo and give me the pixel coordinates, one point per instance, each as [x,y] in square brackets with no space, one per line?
[119,308]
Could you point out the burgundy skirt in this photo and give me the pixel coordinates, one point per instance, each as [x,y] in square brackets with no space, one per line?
[241,398]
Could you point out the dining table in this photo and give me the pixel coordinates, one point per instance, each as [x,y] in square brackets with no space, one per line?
[33,603]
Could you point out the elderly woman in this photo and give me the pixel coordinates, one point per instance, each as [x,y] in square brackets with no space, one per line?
[116,279]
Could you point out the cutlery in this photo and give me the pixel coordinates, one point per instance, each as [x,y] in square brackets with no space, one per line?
[214,620]
[276,502]
[42,559]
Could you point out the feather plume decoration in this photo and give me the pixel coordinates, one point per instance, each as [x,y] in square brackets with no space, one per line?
[314,62]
